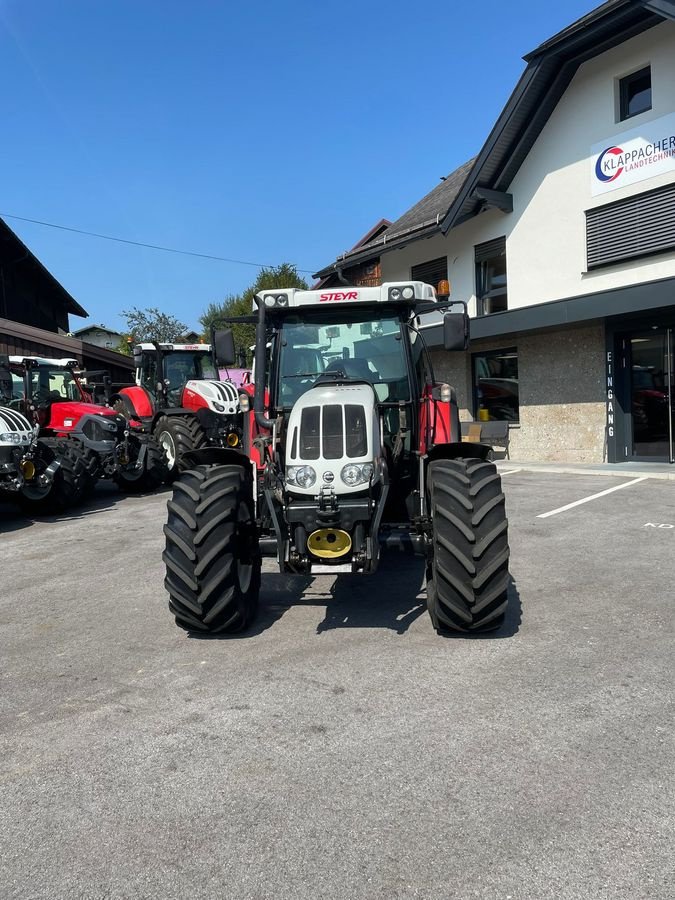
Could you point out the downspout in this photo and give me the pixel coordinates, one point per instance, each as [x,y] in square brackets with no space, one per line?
[341,277]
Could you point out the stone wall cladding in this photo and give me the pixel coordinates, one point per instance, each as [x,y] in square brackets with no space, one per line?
[562,393]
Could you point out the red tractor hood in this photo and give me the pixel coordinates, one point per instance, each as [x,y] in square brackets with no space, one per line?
[65,415]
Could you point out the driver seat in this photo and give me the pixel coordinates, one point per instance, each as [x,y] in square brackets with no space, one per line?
[354,368]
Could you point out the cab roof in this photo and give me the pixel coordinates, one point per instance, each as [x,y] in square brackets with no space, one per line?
[406,293]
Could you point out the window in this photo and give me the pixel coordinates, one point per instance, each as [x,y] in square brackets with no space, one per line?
[635,93]
[363,348]
[495,385]
[637,226]
[431,272]
[491,277]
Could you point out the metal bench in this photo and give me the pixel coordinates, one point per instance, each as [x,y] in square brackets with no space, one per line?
[495,434]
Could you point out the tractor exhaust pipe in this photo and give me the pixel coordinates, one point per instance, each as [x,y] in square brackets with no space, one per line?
[260,360]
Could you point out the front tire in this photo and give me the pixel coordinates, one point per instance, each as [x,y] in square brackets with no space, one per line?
[153,473]
[177,435]
[467,574]
[67,484]
[212,557]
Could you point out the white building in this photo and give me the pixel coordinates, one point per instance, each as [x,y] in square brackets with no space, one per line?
[99,336]
[560,234]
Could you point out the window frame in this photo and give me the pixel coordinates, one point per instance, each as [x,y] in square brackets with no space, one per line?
[624,85]
[483,254]
[496,353]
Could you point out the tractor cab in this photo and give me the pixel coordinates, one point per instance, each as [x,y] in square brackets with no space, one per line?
[50,392]
[178,397]
[163,370]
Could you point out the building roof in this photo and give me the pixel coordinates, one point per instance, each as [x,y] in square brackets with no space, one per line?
[484,180]
[20,252]
[89,328]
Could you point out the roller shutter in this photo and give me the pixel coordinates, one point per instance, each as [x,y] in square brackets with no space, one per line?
[431,272]
[637,226]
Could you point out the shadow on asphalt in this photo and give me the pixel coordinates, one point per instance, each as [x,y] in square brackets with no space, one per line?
[392,599]
[106,496]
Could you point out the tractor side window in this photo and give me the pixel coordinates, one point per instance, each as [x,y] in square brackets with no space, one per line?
[17,387]
[149,373]
[421,362]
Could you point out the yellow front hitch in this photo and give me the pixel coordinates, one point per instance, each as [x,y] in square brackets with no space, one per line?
[329,543]
[27,469]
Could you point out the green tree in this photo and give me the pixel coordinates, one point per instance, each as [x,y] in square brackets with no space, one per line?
[153,325]
[214,316]
[125,344]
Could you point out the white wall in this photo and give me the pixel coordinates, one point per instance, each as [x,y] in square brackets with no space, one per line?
[546,233]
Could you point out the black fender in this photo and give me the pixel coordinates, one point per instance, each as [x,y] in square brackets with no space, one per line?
[217,456]
[126,401]
[459,450]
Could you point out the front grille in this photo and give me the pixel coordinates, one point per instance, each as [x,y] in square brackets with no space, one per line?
[332,428]
[329,431]
[102,428]
[355,428]
[13,421]
[309,433]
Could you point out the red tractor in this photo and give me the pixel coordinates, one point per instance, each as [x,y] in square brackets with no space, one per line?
[41,474]
[179,399]
[352,447]
[101,443]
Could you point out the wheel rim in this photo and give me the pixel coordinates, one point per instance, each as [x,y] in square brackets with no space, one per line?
[167,444]
[36,492]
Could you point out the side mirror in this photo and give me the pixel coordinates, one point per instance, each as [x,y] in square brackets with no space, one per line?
[138,358]
[456,331]
[5,378]
[223,342]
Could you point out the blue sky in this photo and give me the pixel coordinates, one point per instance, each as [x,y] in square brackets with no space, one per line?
[265,132]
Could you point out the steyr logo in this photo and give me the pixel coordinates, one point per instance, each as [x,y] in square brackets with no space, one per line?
[339,295]
[604,165]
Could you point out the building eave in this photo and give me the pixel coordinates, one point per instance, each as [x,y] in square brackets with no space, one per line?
[71,305]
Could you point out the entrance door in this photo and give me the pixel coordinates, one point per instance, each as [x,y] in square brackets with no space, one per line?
[652,391]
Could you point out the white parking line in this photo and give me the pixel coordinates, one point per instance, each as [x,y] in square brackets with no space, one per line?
[618,487]
[509,471]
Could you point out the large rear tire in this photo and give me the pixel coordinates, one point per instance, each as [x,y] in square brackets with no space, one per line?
[467,574]
[68,482]
[212,557]
[153,473]
[177,435]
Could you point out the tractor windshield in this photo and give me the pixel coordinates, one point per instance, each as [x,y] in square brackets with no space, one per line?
[49,384]
[186,365]
[364,348]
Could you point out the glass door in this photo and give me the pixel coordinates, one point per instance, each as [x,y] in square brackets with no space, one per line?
[651,392]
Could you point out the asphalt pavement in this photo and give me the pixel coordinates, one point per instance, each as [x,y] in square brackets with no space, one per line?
[341,749]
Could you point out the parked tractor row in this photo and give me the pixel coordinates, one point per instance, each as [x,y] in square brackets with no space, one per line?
[56,442]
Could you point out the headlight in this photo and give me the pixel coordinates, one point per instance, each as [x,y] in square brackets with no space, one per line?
[244,403]
[11,437]
[353,474]
[301,476]
[218,406]
[276,300]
